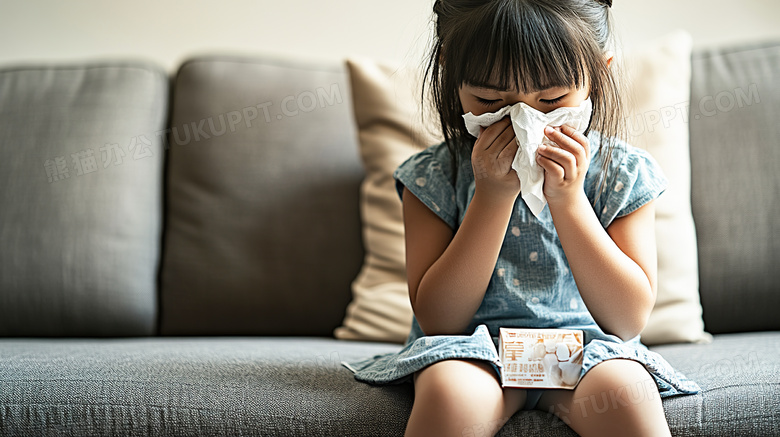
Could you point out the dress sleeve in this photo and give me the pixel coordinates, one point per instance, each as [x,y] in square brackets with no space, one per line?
[633,179]
[428,175]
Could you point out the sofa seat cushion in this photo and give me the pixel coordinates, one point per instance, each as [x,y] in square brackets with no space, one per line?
[740,382]
[288,386]
[192,386]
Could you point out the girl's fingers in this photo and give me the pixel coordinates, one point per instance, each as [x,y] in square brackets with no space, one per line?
[505,138]
[551,168]
[489,136]
[562,158]
[565,142]
[581,139]
[509,152]
[495,149]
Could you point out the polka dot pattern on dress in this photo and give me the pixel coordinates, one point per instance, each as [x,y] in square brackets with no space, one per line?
[530,290]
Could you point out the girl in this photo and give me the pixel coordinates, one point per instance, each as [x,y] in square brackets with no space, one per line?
[478,259]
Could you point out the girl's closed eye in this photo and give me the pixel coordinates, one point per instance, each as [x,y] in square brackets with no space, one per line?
[487,102]
[552,101]
[491,102]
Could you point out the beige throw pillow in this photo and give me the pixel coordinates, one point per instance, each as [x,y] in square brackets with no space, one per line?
[386,102]
[387,111]
[658,80]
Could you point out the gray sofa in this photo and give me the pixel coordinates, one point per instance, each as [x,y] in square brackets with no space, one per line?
[175,252]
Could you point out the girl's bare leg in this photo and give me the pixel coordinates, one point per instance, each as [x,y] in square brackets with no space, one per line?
[615,397]
[460,397]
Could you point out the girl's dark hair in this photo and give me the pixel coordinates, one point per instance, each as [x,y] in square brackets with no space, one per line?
[527,45]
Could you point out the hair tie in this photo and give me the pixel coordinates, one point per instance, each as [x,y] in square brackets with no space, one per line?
[606,2]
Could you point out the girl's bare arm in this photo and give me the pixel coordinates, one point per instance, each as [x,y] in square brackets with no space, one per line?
[615,269]
[448,272]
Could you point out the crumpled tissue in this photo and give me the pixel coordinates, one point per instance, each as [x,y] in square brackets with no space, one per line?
[529,124]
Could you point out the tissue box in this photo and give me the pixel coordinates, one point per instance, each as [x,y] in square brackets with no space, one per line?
[540,358]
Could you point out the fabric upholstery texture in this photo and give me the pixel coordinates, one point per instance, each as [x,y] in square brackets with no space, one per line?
[283,387]
[193,386]
[735,144]
[81,196]
[262,233]
[740,388]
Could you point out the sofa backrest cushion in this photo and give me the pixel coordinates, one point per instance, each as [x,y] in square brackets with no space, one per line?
[81,198]
[735,183]
[262,233]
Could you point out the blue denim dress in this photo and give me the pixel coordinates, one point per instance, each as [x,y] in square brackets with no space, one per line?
[531,285]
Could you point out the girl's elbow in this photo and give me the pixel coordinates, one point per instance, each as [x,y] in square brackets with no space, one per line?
[636,324]
[429,329]
[632,330]
[640,310]
[434,323]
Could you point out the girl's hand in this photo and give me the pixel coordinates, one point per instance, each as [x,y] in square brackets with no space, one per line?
[491,160]
[564,166]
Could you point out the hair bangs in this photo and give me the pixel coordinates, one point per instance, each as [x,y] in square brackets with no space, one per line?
[525,49]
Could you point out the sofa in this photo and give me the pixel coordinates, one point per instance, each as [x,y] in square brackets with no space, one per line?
[176,251]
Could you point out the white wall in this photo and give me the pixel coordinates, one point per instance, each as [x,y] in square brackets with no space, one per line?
[168,31]
[711,22]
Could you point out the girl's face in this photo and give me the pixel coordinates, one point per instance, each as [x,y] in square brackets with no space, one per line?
[481,99]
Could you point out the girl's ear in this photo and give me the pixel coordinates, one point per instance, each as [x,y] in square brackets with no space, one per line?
[609,56]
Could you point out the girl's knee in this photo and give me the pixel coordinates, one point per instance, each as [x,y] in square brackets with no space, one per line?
[468,383]
[464,377]
[462,396]
[612,397]
[618,373]
[617,383]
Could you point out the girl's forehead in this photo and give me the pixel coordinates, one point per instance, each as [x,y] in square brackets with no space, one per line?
[489,86]
[512,86]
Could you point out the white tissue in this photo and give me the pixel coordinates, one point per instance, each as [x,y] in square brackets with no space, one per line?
[529,125]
